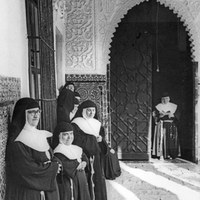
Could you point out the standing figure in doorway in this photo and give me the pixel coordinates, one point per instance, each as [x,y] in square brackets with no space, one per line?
[31,166]
[166,139]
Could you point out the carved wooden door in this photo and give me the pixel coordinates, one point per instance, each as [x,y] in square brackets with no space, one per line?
[131,96]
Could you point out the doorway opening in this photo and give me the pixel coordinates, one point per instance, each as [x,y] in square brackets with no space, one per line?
[150,54]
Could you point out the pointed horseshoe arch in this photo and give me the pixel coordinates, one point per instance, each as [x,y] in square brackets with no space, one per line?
[179,8]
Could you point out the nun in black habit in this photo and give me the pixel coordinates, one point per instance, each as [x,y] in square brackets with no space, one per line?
[72,181]
[31,166]
[90,136]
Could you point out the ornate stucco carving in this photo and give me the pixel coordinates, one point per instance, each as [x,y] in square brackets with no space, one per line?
[59,7]
[79,34]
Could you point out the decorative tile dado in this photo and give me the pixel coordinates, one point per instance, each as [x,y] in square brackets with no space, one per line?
[85,77]
[5,112]
[9,94]
[9,89]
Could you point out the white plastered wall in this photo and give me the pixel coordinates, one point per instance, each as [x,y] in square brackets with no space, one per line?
[14,43]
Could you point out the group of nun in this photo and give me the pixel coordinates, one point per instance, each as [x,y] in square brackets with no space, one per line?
[66,165]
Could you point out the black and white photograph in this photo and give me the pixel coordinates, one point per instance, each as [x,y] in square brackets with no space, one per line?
[99,100]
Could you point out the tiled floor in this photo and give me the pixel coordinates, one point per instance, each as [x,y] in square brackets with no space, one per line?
[156,180]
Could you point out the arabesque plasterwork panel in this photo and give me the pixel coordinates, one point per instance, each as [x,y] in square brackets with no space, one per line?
[79,35]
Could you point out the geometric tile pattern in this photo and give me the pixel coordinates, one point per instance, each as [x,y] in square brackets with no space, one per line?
[9,94]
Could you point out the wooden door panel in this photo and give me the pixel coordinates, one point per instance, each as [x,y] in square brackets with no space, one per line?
[130,97]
